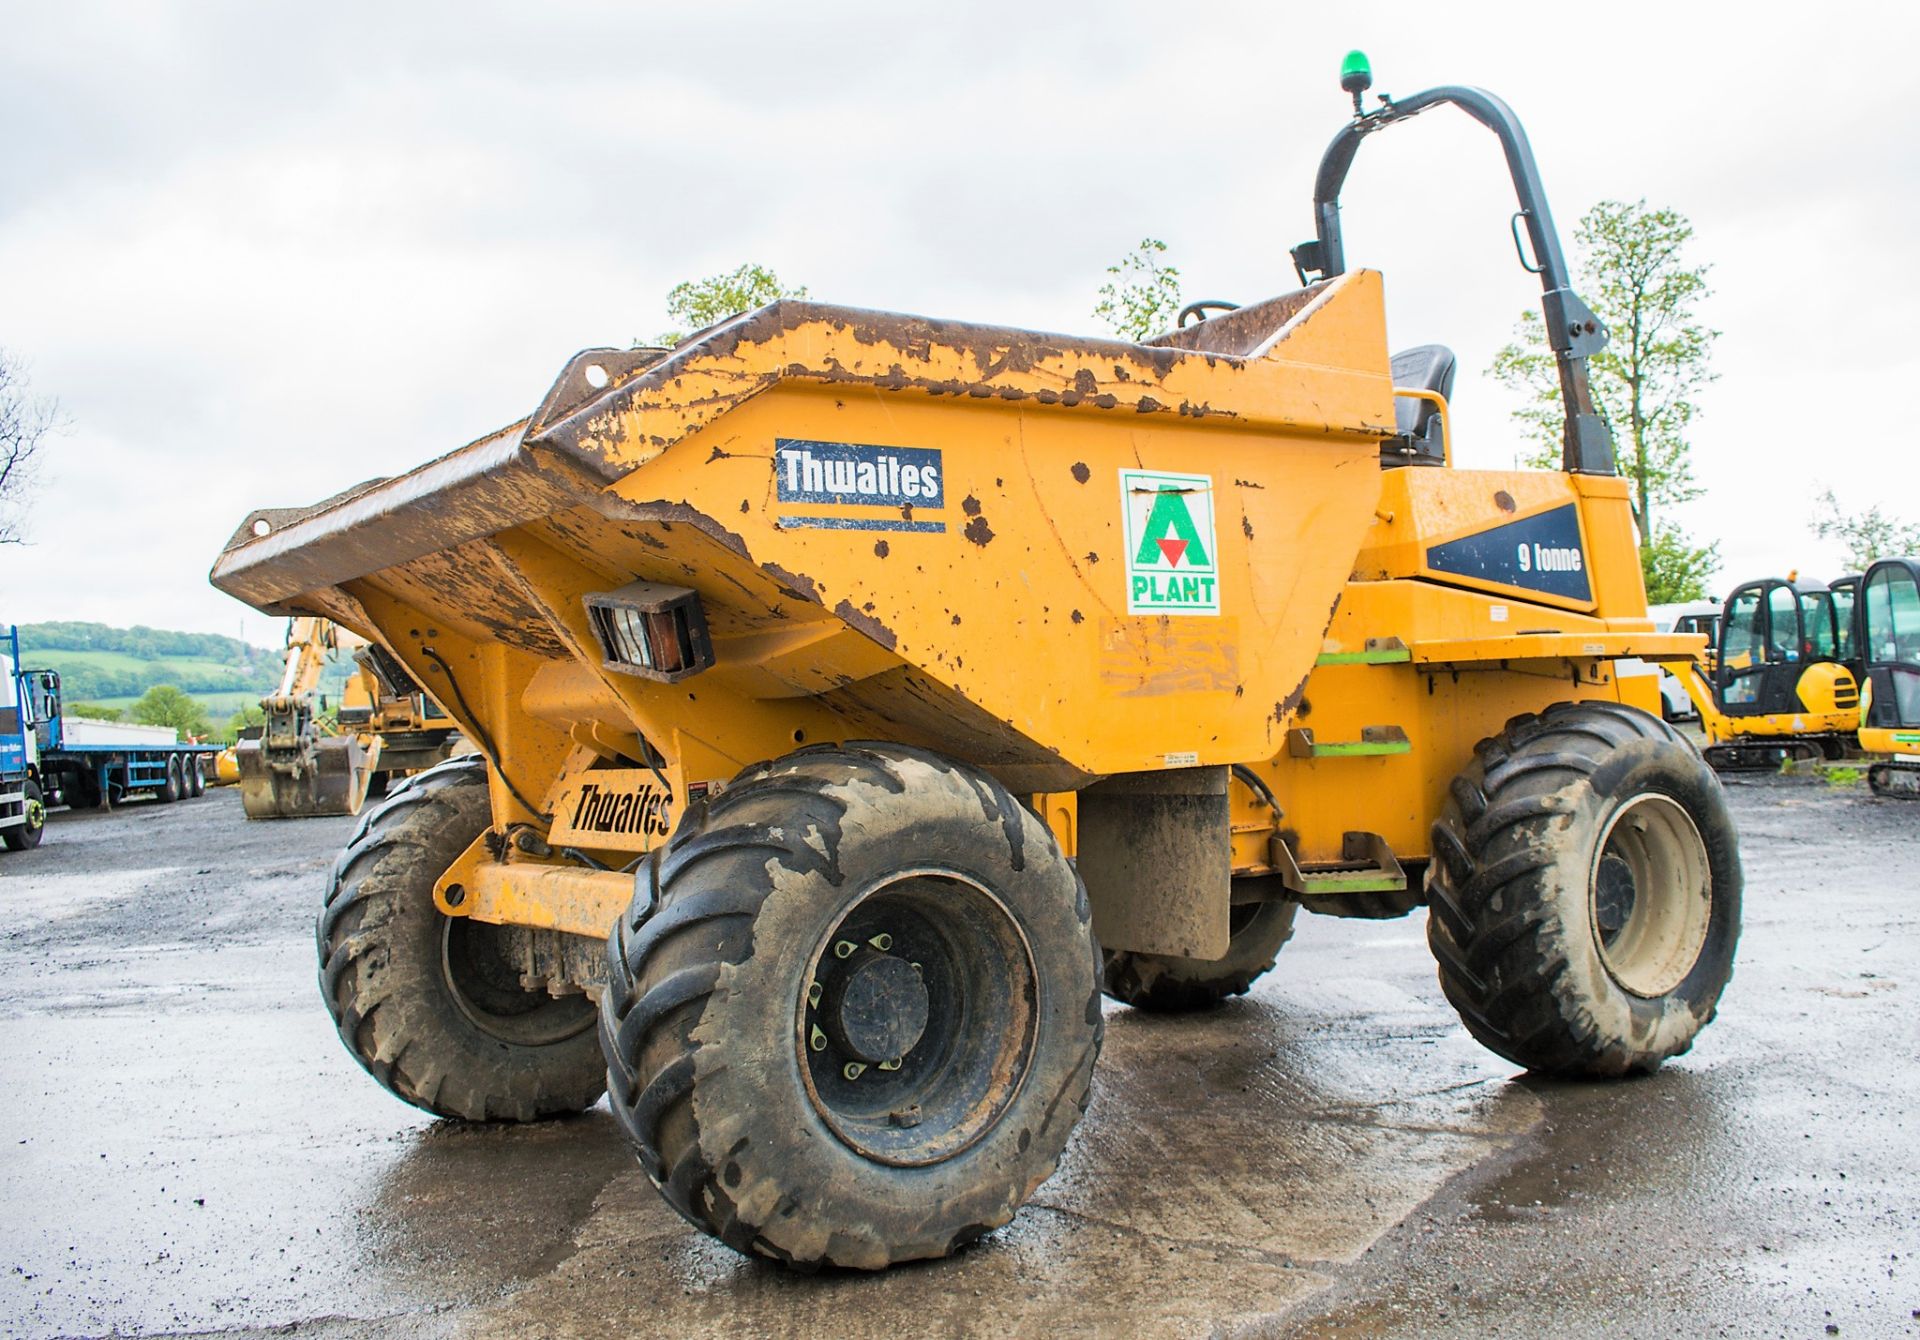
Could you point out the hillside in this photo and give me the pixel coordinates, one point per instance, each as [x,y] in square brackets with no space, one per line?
[114,666]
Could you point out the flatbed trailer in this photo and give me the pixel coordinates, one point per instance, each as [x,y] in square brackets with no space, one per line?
[48,758]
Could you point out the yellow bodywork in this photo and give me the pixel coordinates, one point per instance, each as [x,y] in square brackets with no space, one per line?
[1342,671]
[1886,740]
[1829,697]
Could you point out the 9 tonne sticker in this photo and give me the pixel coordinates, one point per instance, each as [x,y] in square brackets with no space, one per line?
[1172,562]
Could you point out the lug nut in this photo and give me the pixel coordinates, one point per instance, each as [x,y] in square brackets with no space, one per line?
[844,948]
[853,1070]
[883,942]
[818,1041]
[894,1064]
[814,992]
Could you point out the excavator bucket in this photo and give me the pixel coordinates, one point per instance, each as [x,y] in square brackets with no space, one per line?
[330,778]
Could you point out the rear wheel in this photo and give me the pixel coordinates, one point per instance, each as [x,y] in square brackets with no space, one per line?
[19,837]
[196,779]
[1585,897]
[169,790]
[431,1005]
[909,1020]
[1173,985]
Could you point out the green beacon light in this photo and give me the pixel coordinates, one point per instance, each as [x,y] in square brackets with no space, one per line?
[1356,77]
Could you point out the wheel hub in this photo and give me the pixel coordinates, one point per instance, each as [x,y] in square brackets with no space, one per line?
[1651,895]
[875,1006]
[916,1017]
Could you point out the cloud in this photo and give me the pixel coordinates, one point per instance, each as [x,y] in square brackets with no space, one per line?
[260,254]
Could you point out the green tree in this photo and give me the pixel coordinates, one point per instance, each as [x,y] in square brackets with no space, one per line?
[165,705]
[1142,295]
[250,715]
[1674,570]
[1635,276]
[698,303]
[1867,535]
[25,422]
[91,711]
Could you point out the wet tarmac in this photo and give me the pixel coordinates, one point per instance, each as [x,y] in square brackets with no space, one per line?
[188,1149]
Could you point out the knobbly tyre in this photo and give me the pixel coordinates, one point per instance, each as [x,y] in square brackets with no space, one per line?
[942,678]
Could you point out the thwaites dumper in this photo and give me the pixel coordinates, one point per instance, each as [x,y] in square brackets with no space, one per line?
[861,696]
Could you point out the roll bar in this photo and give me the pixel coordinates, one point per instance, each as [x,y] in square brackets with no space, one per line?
[1573,331]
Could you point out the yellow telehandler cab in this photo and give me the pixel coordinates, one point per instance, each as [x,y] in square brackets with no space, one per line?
[861,696]
[1889,634]
[1780,687]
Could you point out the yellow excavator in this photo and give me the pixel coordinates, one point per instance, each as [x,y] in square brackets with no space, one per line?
[402,731]
[1888,623]
[299,766]
[292,769]
[1781,685]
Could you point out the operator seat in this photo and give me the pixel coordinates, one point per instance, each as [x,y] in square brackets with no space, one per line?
[1418,439]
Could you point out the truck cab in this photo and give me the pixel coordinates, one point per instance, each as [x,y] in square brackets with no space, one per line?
[24,714]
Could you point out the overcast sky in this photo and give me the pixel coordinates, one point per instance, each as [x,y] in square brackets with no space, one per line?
[260,252]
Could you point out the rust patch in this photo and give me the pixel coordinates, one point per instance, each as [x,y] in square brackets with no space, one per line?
[1147,405]
[793,585]
[1080,472]
[956,621]
[1246,526]
[970,505]
[743,507]
[880,549]
[1085,382]
[867,624]
[1078,617]
[979,532]
[1092,557]
[668,513]
[1248,484]
[1503,500]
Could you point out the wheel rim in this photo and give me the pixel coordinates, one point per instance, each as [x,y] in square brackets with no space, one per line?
[36,814]
[484,983]
[931,965]
[1651,895]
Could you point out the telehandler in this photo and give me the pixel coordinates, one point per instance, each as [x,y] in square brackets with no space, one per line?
[861,696]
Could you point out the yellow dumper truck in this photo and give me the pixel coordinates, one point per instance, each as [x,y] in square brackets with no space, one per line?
[860,696]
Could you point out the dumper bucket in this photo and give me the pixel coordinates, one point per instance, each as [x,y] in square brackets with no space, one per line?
[329,777]
[1058,558]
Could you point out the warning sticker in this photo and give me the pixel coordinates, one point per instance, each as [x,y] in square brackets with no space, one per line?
[1172,563]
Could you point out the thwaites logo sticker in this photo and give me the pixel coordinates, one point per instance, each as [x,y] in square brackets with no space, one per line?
[622,808]
[1173,565]
[894,482]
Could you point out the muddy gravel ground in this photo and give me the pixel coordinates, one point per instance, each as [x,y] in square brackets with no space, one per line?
[187,1149]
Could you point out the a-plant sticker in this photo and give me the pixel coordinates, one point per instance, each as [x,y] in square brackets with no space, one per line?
[1173,566]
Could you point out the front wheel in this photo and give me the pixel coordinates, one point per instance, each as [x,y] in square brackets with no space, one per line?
[433,1006]
[853,1013]
[19,837]
[1585,895]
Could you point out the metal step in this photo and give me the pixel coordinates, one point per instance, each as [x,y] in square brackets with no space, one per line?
[1368,865]
[1374,742]
[1378,651]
